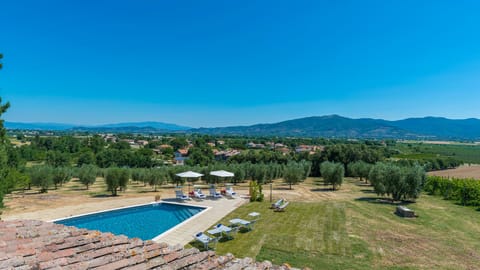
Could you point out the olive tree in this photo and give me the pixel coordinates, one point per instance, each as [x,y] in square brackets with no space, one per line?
[41,176]
[116,178]
[154,177]
[397,182]
[87,174]
[332,173]
[293,174]
[359,169]
[61,175]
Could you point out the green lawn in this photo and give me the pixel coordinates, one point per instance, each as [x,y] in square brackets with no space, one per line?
[307,234]
[360,232]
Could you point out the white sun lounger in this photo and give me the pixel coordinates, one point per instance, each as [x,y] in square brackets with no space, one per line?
[204,239]
[281,208]
[198,194]
[179,195]
[277,204]
[214,194]
[244,223]
[230,193]
[219,229]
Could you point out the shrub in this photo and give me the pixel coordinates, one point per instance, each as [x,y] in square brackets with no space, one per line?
[255,190]
[464,191]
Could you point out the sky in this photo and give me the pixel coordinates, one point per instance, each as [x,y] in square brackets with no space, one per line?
[239,62]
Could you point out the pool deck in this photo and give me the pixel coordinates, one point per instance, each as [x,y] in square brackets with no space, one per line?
[181,234]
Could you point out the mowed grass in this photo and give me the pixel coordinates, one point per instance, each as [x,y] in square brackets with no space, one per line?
[360,232]
[307,234]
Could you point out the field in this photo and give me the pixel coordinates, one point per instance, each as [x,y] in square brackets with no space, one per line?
[355,230]
[465,171]
[468,153]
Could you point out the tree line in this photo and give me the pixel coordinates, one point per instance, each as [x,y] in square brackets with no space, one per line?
[46,177]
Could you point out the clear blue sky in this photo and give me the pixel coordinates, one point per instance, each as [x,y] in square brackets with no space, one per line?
[217,63]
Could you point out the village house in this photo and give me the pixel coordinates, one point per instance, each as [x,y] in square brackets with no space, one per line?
[255,145]
[109,137]
[180,157]
[165,146]
[303,148]
[224,155]
[308,148]
[283,150]
[129,141]
[142,142]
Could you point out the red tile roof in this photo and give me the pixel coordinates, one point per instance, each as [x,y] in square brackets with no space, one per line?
[30,244]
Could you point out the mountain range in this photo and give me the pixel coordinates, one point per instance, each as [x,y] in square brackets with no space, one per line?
[329,126]
[335,126]
[134,127]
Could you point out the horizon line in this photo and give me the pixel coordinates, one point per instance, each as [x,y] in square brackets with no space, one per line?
[231,125]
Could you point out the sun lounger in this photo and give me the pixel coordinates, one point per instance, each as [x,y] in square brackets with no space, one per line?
[230,193]
[198,194]
[204,239]
[277,204]
[179,195]
[214,194]
[243,223]
[281,208]
[220,229]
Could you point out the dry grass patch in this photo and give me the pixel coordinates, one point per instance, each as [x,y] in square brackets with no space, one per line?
[464,171]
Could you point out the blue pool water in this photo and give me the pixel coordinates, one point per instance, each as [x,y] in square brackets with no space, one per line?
[145,222]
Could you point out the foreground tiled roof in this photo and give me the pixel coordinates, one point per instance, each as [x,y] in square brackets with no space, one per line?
[30,244]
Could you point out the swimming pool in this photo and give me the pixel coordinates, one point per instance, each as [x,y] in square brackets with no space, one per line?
[144,221]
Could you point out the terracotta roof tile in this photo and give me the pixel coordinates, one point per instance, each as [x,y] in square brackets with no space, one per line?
[31,244]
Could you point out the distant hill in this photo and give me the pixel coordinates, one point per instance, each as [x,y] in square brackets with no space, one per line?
[335,126]
[440,127]
[37,126]
[121,129]
[132,127]
[155,125]
[330,126]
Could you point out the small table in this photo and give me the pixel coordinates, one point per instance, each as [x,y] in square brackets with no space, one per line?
[254,214]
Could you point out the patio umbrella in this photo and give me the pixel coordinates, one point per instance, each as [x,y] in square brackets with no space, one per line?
[189,174]
[222,174]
